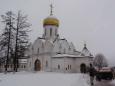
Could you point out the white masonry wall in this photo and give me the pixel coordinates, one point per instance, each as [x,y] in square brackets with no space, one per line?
[81,60]
[67,65]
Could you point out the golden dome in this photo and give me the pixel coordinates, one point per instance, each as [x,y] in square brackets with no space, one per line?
[51,21]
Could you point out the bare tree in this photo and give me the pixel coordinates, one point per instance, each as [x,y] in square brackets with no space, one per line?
[7,38]
[14,39]
[22,29]
[100,61]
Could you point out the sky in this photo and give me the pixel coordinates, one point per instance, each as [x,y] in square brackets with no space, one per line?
[92,21]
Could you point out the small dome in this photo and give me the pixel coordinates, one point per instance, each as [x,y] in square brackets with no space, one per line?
[51,20]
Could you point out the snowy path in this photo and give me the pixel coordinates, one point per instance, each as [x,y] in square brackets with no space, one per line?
[105,83]
[43,79]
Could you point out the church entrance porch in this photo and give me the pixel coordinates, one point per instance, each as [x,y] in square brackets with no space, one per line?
[83,68]
[37,65]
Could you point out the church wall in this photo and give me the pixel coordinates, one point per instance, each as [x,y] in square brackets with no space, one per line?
[80,61]
[57,64]
[43,54]
[23,66]
[69,65]
[35,51]
[47,62]
[63,64]
[48,48]
[29,64]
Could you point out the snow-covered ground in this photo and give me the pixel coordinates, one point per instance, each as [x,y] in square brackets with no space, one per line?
[105,83]
[113,82]
[43,79]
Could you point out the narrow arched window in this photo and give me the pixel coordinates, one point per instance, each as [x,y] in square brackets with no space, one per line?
[69,48]
[24,66]
[46,63]
[45,32]
[11,65]
[50,31]
[38,51]
[21,66]
[60,47]
[64,51]
[55,31]
[68,66]
[30,63]
[58,66]
[42,45]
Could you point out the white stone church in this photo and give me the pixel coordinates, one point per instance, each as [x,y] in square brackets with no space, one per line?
[51,53]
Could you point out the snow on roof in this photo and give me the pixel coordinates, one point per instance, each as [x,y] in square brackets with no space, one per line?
[62,41]
[66,55]
[42,39]
[85,51]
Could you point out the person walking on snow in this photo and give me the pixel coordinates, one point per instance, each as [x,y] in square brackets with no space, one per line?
[91,74]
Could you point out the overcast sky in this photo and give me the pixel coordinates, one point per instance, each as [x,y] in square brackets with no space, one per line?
[92,21]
